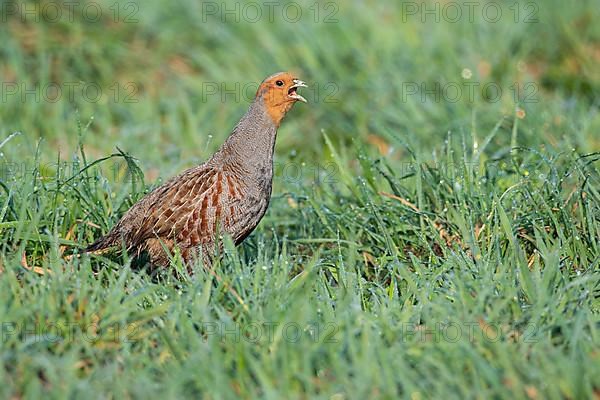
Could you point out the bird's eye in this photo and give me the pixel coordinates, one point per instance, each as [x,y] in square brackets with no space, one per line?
[279,83]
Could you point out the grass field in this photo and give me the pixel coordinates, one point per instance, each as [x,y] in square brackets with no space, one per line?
[435,221]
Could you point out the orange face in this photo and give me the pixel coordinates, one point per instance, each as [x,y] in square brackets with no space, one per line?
[279,93]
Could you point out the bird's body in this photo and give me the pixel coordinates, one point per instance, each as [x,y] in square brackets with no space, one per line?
[228,194]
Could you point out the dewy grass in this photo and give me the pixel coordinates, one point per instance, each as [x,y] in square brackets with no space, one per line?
[414,247]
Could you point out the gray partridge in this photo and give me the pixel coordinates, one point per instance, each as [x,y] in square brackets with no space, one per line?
[228,194]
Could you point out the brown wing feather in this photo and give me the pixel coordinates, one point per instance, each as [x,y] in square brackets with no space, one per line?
[171,204]
[157,214]
[188,210]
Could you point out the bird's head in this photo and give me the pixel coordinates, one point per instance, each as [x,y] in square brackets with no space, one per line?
[278,93]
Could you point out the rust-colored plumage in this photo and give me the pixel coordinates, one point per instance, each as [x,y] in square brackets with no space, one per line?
[229,193]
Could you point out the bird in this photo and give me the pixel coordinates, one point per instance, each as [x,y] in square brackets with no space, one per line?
[227,194]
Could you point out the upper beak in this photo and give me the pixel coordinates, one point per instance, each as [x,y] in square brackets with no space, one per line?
[293,94]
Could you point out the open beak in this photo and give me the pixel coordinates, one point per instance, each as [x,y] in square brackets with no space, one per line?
[292,91]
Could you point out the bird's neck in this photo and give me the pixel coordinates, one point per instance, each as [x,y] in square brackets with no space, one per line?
[252,142]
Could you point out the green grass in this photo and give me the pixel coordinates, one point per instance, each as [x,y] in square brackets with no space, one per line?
[413,248]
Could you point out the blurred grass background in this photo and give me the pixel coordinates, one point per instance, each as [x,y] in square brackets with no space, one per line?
[489,216]
[368,54]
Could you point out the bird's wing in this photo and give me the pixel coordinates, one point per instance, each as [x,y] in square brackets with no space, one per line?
[166,211]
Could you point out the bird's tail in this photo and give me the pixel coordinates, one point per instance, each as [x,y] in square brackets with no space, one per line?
[102,244]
